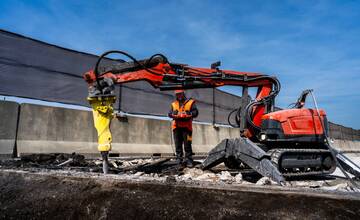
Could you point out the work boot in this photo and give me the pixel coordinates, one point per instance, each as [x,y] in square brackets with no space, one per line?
[179,161]
[189,163]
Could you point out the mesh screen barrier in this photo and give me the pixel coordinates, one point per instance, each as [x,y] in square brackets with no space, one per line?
[37,70]
[33,69]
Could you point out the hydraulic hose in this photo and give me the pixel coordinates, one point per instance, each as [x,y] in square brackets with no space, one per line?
[263,101]
[96,69]
[237,118]
[249,107]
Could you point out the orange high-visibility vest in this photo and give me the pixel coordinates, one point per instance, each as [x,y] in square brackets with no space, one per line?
[186,106]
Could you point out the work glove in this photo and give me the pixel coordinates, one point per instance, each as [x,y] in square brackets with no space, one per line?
[184,116]
[174,114]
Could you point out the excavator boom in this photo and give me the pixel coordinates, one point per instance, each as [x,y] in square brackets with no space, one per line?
[170,76]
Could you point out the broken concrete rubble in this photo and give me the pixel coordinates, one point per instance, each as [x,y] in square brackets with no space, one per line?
[339,187]
[225,176]
[160,169]
[265,181]
[59,159]
[238,178]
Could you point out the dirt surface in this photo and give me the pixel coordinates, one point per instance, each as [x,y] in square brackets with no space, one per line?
[70,187]
[56,195]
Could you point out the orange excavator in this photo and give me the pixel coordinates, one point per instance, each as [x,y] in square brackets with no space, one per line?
[275,143]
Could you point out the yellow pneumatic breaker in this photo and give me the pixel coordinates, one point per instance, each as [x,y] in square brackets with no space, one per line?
[103,113]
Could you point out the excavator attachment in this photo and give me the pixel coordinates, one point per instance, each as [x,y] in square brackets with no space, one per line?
[249,153]
[103,113]
[278,163]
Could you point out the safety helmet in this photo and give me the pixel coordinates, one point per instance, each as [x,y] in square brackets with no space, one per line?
[179,91]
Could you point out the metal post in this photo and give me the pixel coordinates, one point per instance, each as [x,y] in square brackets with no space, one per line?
[120,98]
[243,103]
[213,108]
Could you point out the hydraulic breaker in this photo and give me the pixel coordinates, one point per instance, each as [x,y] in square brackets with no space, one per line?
[103,113]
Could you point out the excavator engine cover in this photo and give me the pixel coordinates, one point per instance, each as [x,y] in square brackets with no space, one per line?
[294,126]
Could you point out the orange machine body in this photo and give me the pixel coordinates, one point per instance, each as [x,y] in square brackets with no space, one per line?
[286,123]
[298,121]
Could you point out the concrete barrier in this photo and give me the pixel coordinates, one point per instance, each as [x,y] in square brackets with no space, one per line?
[347,146]
[141,136]
[205,137]
[8,124]
[44,129]
[344,133]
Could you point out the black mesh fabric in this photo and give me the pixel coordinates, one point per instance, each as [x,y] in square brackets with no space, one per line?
[33,69]
[37,70]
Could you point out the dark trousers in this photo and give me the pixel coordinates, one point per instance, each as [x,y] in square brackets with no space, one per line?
[183,136]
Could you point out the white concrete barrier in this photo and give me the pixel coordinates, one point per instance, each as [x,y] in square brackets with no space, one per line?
[8,125]
[44,129]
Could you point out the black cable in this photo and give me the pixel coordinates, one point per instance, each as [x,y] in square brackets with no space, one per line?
[237,118]
[292,105]
[249,107]
[96,69]
[248,116]
[264,100]
[157,55]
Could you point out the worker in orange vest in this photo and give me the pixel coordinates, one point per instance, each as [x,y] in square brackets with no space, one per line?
[182,112]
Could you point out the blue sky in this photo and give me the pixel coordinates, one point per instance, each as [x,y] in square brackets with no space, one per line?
[306,44]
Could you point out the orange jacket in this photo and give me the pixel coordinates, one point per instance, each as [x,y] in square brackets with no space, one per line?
[183,118]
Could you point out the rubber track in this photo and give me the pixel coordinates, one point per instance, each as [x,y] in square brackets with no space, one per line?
[277,153]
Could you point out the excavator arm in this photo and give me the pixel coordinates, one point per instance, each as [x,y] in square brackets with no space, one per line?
[170,76]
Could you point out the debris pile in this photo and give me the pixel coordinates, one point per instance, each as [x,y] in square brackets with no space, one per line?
[265,181]
[196,174]
[160,169]
[51,161]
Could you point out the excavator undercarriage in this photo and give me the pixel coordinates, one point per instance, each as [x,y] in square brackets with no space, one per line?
[277,163]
